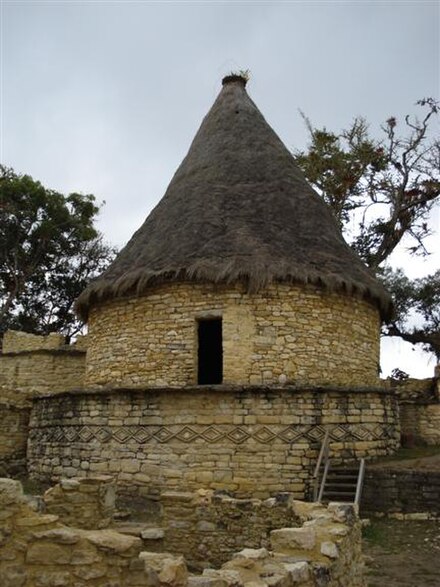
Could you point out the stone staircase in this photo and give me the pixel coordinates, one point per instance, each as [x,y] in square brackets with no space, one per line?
[341,484]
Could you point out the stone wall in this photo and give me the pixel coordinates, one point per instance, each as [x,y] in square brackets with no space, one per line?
[38,551]
[302,335]
[84,503]
[392,490]
[207,528]
[14,421]
[257,441]
[31,364]
[419,410]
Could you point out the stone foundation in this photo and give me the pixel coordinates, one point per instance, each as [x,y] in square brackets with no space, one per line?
[252,441]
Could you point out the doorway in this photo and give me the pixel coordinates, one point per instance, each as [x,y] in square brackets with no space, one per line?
[210,351]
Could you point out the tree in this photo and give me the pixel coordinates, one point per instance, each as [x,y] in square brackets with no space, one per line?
[416,301]
[382,192]
[49,250]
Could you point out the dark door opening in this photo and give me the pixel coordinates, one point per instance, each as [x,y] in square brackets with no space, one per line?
[210,353]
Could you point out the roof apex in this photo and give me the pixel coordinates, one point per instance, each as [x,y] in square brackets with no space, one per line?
[237,209]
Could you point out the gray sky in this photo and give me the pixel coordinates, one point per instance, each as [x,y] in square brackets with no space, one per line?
[105,97]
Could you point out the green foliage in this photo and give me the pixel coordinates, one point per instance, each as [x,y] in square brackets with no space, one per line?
[417,308]
[392,184]
[49,249]
[382,192]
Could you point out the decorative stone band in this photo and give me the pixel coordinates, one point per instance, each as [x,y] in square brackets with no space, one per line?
[213,434]
[258,441]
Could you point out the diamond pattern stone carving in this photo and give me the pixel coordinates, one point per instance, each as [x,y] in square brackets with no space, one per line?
[212,434]
[187,434]
[290,434]
[163,434]
[142,435]
[103,434]
[238,435]
[122,434]
[85,434]
[264,435]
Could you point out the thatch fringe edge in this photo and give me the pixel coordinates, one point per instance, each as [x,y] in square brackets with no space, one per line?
[136,283]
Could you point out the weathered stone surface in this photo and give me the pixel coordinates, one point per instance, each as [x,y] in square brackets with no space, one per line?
[153,534]
[83,502]
[231,578]
[329,549]
[10,492]
[170,569]
[288,540]
[58,535]
[13,576]
[45,553]
[299,572]
[51,579]
[252,553]
[206,582]
[112,541]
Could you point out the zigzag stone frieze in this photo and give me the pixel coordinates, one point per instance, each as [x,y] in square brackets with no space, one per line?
[210,434]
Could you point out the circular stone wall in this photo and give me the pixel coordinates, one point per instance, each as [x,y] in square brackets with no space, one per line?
[250,441]
[302,335]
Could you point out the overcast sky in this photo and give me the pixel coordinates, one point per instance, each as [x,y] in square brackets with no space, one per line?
[105,97]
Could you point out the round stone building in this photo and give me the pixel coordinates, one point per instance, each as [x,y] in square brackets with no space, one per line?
[234,329]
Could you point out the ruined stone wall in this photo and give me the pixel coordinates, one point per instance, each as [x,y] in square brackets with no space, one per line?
[297,334]
[419,410]
[257,441]
[208,528]
[31,364]
[38,551]
[87,503]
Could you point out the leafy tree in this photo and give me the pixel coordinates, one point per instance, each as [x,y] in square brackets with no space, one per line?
[416,301]
[49,250]
[382,192]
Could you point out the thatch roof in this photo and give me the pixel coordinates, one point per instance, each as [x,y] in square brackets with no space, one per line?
[237,209]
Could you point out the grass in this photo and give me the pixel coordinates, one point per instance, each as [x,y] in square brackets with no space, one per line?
[416,452]
[374,534]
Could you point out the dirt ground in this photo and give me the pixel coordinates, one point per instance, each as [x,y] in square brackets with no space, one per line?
[402,553]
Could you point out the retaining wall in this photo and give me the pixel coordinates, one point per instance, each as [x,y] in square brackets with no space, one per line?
[257,441]
[392,490]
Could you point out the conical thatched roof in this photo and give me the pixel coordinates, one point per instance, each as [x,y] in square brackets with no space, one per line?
[237,209]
